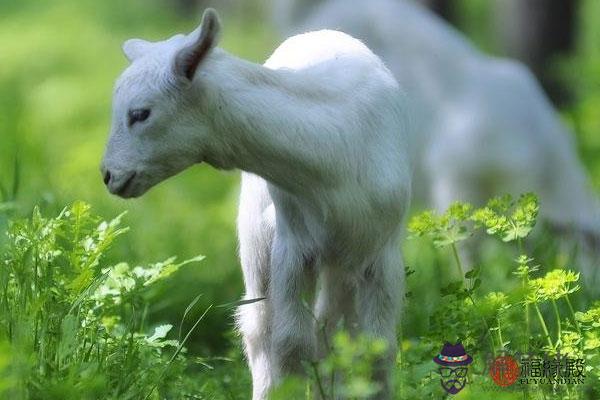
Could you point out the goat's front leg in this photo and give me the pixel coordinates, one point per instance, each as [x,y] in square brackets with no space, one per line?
[293,326]
[254,322]
[378,299]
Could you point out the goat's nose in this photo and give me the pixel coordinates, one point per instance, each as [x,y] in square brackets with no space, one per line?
[106,177]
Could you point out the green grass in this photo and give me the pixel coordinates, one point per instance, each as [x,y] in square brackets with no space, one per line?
[74,326]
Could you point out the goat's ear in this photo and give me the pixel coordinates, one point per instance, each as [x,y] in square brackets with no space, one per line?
[188,58]
[134,48]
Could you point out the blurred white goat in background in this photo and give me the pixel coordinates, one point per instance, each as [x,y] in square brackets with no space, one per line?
[485,127]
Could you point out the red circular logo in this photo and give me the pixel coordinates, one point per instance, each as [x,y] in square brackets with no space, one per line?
[504,371]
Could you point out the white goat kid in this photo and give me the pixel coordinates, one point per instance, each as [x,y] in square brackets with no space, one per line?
[320,131]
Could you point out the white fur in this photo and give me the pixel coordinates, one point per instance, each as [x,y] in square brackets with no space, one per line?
[320,133]
[485,126]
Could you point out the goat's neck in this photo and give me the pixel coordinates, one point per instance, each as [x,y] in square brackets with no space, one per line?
[266,122]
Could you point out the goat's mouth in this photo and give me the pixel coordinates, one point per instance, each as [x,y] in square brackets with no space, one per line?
[126,189]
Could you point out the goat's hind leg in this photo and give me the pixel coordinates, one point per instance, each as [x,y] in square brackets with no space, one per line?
[335,304]
[379,296]
[335,309]
[292,282]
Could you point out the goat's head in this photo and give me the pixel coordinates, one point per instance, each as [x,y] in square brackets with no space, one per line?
[157,127]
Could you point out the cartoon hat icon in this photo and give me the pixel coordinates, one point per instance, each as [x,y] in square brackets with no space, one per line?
[453,355]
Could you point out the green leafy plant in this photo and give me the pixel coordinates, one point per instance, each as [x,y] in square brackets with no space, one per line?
[535,316]
[72,327]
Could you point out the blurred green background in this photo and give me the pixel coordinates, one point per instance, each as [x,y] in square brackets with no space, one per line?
[58,62]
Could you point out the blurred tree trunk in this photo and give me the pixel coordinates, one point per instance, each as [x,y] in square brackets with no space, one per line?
[185,7]
[536,32]
[444,8]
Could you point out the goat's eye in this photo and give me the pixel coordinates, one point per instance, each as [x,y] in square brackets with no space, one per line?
[137,115]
